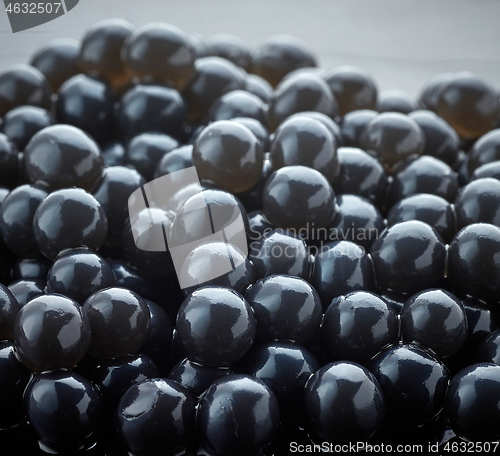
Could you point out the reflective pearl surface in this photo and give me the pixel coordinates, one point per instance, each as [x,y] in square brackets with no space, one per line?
[280,252]
[144,152]
[231,48]
[196,377]
[51,332]
[237,415]
[296,197]
[434,319]
[214,78]
[336,409]
[9,308]
[441,140]
[303,92]
[100,50]
[156,416]
[238,103]
[16,220]
[360,174]
[63,156]
[409,257]
[31,268]
[357,220]
[63,425]
[393,137]
[13,382]
[485,150]
[479,202]
[23,85]
[88,104]
[411,399]
[327,121]
[259,86]
[431,209]
[424,174]
[146,108]
[69,218]
[358,325]
[489,349]
[286,308]
[428,97]
[229,155]
[8,161]
[280,55]
[302,140]
[58,61]
[395,101]
[160,51]
[24,290]
[489,170]
[473,264]
[78,273]
[339,268]
[216,326]
[119,319]
[472,402]
[175,160]
[252,198]
[352,87]
[113,153]
[21,124]
[469,104]
[258,227]
[353,125]
[258,129]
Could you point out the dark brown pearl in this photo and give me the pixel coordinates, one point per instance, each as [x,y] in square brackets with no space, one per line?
[469,104]
[100,51]
[303,92]
[396,101]
[58,61]
[280,55]
[231,48]
[162,52]
[430,92]
[352,87]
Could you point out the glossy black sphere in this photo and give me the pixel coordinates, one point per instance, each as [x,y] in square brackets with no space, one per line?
[434,319]
[216,326]
[409,257]
[119,319]
[21,124]
[286,308]
[63,156]
[303,140]
[360,174]
[297,197]
[9,308]
[175,160]
[441,140]
[395,101]
[341,267]
[229,155]
[238,414]
[302,92]
[24,290]
[16,220]
[431,209]
[423,175]
[156,416]
[372,324]
[78,273]
[479,202]
[473,264]
[238,103]
[413,381]
[280,252]
[353,125]
[392,137]
[352,87]
[51,332]
[489,349]
[485,150]
[23,85]
[472,402]
[87,103]
[100,50]
[489,170]
[27,268]
[357,220]
[13,381]
[430,91]
[9,162]
[214,78]
[259,86]
[113,154]
[280,55]
[259,226]
[58,61]
[230,47]
[152,108]
[69,218]
[336,409]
